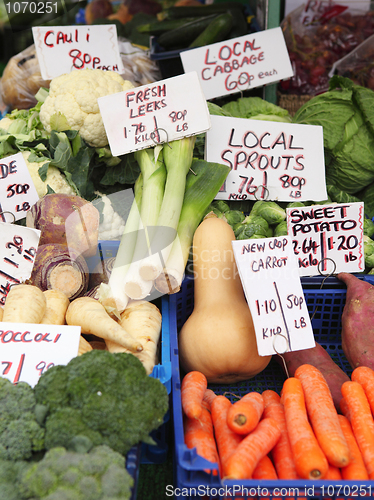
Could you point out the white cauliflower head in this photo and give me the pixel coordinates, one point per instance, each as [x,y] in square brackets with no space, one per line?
[75,95]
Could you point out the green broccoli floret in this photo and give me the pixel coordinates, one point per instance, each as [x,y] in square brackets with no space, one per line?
[20,432]
[65,475]
[10,473]
[103,397]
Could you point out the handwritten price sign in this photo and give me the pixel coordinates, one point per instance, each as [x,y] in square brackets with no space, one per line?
[18,246]
[268,160]
[239,64]
[327,238]
[17,191]
[164,111]
[61,49]
[268,271]
[27,350]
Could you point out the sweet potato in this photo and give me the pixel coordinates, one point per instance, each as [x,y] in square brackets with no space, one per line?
[358,321]
[321,359]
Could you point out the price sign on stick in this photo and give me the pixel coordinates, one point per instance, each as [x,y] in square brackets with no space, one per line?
[269,274]
[17,191]
[327,238]
[61,49]
[18,246]
[268,160]
[28,350]
[240,63]
[160,112]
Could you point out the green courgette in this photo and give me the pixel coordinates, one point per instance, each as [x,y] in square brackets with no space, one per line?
[158,27]
[184,35]
[216,31]
[204,10]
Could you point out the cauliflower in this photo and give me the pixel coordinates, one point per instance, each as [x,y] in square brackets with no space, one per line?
[55,179]
[74,96]
[111,225]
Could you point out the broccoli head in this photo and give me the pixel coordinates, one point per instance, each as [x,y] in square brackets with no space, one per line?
[104,397]
[20,433]
[10,473]
[67,475]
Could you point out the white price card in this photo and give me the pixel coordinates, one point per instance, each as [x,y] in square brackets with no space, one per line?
[28,350]
[327,239]
[268,160]
[18,247]
[160,112]
[240,63]
[17,191]
[269,275]
[61,49]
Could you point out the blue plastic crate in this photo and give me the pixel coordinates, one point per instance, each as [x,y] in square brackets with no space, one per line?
[132,467]
[325,299]
[150,454]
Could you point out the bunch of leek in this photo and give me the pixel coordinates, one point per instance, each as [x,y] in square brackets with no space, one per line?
[176,192]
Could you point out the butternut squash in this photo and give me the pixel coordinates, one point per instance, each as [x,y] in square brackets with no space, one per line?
[218,339]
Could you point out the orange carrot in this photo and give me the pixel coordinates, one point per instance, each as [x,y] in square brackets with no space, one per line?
[365,376]
[344,408]
[199,434]
[244,415]
[194,385]
[333,473]
[209,395]
[226,439]
[323,415]
[270,396]
[310,461]
[361,421]
[253,447]
[265,469]
[282,452]
[356,469]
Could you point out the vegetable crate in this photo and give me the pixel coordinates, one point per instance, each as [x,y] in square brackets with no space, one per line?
[157,453]
[325,299]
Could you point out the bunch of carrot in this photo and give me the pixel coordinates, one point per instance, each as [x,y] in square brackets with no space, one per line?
[295,435]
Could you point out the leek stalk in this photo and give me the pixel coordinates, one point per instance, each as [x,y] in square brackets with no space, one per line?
[154,176]
[178,157]
[202,185]
[113,295]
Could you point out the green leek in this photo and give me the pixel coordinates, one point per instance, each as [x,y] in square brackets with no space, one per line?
[202,185]
[113,295]
[178,157]
[154,176]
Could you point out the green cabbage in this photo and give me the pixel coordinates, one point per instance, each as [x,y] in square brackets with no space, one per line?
[346,113]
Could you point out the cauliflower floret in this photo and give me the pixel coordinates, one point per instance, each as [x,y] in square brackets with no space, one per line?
[75,95]
[112,225]
[55,179]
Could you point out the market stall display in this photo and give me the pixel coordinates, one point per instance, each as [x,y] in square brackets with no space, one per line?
[167,341]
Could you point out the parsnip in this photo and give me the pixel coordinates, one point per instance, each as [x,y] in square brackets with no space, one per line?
[142,320]
[24,304]
[57,304]
[84,346]
[91,316]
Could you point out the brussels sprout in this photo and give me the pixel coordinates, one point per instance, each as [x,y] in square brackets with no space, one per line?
[234,217]
[369,251]
[293,204]
[272,212]
[281,229]
[368,227]
[221,205]
[256,206]
[251,225]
